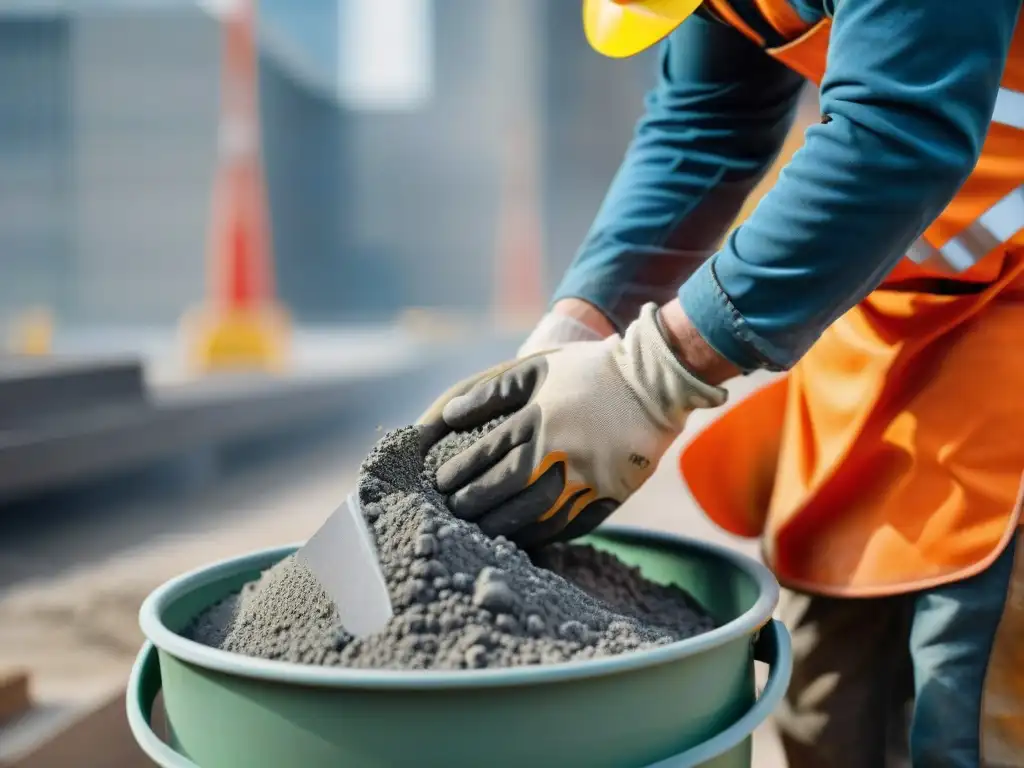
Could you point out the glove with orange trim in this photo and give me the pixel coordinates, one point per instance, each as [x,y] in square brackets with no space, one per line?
[587,424]
[553,331]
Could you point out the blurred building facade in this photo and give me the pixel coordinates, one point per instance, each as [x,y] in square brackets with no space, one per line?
[108,119]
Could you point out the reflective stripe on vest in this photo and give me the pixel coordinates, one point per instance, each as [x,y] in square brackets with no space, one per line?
[995,226]
[1009,109]
[990,230]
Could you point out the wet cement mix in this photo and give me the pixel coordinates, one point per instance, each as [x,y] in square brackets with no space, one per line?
[462,600]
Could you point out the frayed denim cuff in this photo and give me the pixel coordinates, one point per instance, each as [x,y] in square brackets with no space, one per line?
[723,327]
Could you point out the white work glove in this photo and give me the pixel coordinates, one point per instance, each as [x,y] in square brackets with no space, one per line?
[555,330]
[589,423]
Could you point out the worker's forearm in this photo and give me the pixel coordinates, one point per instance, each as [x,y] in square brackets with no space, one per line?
[712,126]
[908,96]
[692,349]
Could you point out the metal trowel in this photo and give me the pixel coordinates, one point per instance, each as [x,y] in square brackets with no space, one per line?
[343,558]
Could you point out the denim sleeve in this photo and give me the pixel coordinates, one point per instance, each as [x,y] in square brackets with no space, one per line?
[714,122]
[909,91]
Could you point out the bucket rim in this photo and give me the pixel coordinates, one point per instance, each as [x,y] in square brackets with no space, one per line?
[748,623]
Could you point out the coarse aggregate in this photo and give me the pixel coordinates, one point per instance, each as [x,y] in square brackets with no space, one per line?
[462,600]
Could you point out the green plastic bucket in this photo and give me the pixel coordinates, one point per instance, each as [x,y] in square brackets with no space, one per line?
[691,703]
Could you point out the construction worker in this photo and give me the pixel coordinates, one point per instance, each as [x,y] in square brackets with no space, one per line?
[884,271]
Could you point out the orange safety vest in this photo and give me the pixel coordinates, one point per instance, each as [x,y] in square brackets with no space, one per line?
[890,458]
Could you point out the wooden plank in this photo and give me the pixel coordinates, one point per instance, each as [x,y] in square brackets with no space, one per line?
[14,693]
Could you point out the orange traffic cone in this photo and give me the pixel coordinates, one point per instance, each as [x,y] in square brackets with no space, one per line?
[241,326]
[519,283]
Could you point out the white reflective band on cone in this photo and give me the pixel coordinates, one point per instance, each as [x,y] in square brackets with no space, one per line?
[993,228]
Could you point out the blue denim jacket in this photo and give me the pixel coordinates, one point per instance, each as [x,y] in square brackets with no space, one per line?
[908,94]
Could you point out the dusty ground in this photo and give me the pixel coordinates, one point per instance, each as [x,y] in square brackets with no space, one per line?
[70,585]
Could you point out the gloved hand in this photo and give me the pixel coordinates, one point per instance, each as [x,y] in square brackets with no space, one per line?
[553,331]
[590,422]
[432,416]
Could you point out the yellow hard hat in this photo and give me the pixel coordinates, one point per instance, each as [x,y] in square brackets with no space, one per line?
[620,28]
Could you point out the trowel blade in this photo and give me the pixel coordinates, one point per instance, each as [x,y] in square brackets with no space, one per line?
[343,558]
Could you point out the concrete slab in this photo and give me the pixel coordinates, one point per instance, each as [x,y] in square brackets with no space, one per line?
[99,421]
[35,391]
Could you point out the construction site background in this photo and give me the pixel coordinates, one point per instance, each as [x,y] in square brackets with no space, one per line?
[108,133]
[430,168]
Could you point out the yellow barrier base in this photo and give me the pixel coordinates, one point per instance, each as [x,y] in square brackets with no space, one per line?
[236,341]
[32,333]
